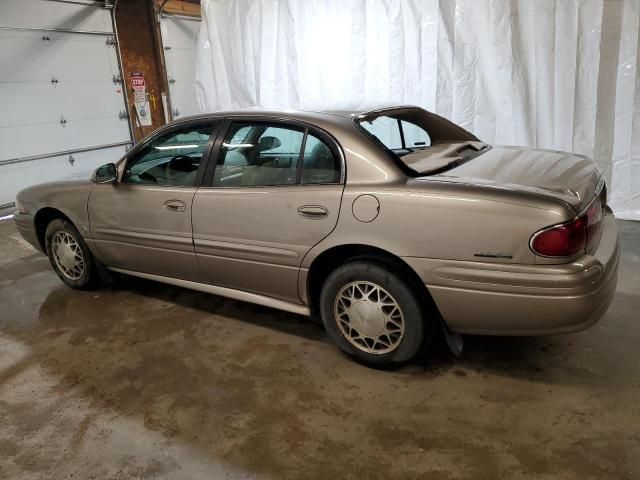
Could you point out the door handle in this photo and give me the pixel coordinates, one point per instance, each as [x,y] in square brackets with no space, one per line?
[175,205]
[315,212]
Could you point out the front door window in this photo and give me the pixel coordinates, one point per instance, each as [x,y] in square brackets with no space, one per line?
[171,159]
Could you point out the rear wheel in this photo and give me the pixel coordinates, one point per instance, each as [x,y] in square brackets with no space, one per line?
[69,255]
[373,314]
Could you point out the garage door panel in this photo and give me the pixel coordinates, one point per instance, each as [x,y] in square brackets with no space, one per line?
[179,33]
[57,57]
[18,176]
[183,99]
[179,41]
[38,102]
[48,14]
[84,94]
[181,64]
[40,139]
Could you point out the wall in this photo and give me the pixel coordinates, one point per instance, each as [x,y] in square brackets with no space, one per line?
[136,25]
[60,108]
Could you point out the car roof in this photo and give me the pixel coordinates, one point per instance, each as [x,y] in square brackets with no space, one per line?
[305,115]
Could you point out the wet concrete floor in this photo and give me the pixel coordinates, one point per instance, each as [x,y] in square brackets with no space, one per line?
[143,380]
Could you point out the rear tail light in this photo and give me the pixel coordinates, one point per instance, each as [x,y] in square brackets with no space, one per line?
[562,240]
[568,239]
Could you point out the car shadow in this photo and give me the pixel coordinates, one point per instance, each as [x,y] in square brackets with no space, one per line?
[521,357]
[213,304]
[514,354]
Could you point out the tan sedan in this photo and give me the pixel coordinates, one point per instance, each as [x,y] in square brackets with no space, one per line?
[387,224]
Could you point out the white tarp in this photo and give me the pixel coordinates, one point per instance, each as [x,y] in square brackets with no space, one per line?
[552,74]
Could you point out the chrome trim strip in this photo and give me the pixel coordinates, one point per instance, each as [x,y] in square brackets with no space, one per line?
[265,301]
[161,237]
[157,241]
[164,248]
[55,30]
[249,260]
[242,248]
[63,152]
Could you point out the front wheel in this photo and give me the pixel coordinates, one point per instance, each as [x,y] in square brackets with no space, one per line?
[373,314]
[69,255]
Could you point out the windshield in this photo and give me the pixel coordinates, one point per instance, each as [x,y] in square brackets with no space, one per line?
[423,142]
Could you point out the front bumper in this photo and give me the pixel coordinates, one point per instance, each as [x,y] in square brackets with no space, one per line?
[26,227]
[501,299]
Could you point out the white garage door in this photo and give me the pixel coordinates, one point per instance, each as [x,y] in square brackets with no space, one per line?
[179,43]
[60,94]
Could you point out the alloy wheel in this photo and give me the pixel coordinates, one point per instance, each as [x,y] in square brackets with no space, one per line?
[68,255]
[369,317]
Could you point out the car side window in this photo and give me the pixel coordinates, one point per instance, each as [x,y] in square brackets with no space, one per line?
[319,164]
[262,155]
[386,130]
[171,159]
[414,136]
[397,135]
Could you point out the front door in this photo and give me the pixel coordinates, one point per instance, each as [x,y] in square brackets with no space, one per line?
[143,222]
[275,193]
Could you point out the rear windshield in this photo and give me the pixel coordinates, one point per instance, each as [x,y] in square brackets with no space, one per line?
[424,143]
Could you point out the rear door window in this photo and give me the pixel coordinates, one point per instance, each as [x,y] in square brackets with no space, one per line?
[320,164]
[262,154]
[258,155]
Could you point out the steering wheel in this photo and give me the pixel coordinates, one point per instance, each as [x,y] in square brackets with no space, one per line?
[180,161]
[181,157]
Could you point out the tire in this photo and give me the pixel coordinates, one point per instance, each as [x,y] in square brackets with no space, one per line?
[69,255]
[365,295]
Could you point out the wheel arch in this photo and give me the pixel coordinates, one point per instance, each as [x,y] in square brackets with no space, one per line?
[42,219]
[330,259]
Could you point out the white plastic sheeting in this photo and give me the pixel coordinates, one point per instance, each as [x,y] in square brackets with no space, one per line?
[552,74]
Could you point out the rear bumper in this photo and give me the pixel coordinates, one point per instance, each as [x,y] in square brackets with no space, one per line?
[26,227]
[501,299]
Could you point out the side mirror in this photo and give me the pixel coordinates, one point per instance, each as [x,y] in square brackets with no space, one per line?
[105,174]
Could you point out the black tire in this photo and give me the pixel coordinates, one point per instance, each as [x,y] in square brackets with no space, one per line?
[417,325]
[90,277]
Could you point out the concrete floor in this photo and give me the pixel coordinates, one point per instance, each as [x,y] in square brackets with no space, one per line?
[149,381]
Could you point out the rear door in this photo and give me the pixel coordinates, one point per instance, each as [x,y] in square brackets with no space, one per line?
[274,193]
[143,222]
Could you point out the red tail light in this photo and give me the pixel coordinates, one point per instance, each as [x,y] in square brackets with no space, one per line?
[567,239]
[562,240]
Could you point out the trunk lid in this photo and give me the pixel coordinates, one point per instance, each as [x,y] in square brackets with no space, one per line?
[568,177]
